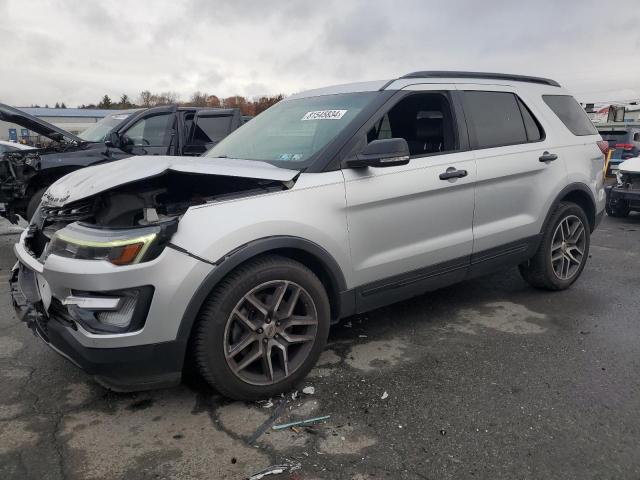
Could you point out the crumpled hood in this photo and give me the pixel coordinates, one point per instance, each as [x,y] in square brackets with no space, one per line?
[93,180]
[632,165]
[35,124]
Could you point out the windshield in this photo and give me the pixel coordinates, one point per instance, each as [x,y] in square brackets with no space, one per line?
[99,131]
[292,131]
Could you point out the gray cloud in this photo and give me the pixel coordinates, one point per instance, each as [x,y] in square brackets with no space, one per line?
[76,51]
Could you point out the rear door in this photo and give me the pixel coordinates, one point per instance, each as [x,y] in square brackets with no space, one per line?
[153,132]
[518,172]
[410,230]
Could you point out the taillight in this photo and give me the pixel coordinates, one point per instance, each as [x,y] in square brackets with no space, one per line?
[603,145]
[625,146]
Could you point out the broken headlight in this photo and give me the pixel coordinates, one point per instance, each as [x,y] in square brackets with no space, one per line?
[619,176]
[117,246]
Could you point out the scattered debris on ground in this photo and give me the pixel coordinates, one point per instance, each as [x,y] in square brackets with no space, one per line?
[308,421]
[272,470]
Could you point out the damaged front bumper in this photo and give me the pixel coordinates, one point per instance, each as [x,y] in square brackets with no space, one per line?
[618,195]
[45,294]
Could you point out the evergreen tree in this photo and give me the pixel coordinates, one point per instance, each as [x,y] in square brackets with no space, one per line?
[105,103]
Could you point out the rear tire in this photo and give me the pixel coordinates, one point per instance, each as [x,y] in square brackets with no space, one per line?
[34,201]
[262,329]
[563,250]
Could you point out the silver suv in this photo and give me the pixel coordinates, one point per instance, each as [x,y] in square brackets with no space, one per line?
[333,202]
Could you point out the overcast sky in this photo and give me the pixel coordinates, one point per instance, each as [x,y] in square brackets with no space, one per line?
[75,51]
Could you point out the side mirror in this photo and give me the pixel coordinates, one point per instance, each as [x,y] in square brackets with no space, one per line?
[382,153]
[113,140]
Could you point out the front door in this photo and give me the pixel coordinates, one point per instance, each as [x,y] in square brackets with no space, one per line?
[410,226]
[152,134]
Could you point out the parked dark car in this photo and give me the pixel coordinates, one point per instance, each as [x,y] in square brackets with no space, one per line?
[166,130]
[624,139]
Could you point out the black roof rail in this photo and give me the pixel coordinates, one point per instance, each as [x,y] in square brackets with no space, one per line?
[484,75]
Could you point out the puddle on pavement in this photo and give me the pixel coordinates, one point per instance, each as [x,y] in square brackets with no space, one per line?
[377,354]
[507,317]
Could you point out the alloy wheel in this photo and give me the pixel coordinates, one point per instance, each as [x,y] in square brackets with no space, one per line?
[567,247]
[270,332]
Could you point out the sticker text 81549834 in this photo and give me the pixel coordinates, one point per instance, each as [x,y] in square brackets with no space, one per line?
[324,115]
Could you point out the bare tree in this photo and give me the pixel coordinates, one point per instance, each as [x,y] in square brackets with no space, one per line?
[166,98]
[145,98]
[198,99]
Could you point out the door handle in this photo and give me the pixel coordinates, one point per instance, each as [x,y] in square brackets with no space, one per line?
[548,157]
[452,172]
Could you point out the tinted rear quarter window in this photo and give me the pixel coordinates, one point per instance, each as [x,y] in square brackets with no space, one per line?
[571,114]
[495,117]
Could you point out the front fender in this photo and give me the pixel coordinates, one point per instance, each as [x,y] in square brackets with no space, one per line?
[314,210]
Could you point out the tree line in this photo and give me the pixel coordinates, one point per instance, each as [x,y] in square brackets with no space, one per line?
[147,99]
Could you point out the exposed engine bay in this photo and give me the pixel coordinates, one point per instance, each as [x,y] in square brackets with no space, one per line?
[154,201]
[18,169]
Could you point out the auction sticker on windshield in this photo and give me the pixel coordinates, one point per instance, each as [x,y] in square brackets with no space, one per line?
[324,115]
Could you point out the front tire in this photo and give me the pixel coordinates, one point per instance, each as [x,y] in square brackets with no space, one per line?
[262,329]
[563,250]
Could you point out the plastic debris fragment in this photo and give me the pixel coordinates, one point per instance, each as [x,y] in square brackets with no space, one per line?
[272,470]
[309,421]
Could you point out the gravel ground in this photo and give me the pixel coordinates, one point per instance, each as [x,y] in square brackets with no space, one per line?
[486,379]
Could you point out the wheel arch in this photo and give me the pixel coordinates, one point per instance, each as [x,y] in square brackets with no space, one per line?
[304,251]
[581,195]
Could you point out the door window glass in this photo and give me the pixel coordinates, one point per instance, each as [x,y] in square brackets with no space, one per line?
[424,120]
[495,117]
[210,129]
[531,125]
[151,131]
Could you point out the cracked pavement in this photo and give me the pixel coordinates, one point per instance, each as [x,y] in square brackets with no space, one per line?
[485,379]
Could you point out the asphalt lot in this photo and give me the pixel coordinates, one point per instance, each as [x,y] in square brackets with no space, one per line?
[486,379]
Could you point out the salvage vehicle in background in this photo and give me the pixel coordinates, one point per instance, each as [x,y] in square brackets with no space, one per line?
[332,202]
[624,196]
[166,130]
[624,142]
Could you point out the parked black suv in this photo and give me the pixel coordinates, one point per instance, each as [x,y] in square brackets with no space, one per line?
[167,130]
